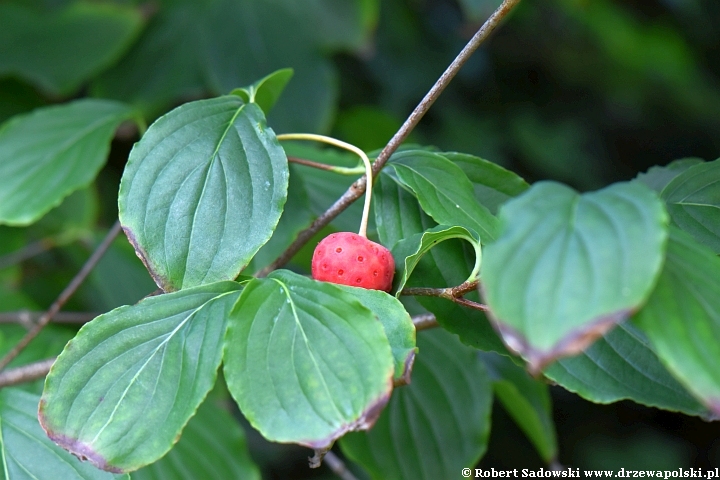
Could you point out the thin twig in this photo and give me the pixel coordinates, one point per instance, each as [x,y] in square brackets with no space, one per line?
[358,188]
[26,317]
[26,373]
[28,251]
[424,321]
[454,294]
[64,296]
[310,163]
[338,467]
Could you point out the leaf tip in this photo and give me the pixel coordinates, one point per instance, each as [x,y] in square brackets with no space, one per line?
[81,450]
[160,281]
[573,343]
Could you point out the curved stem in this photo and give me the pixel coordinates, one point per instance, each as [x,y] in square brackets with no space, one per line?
[478,261]
[352,148]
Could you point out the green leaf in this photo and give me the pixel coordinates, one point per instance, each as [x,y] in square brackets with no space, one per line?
[526,400]
[409,251]
[203,190]
[444,191]
[121,392]
[266,91]
[49,153]
[658,177]
[435,426]
[693,202]
[567,267]
[52,50]
[398,215]
[73,219]
[396,322]
[296,216]
[623,365]
[305,361]
[212,446]
[682,317]
[493,185]
[397,212]
[190,48]
[27,453]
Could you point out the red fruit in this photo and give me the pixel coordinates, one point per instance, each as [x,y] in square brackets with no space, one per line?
[347,258]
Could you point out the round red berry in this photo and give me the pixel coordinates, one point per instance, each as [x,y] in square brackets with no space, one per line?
[347,258]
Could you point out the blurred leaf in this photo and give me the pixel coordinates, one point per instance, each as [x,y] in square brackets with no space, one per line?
[305,361]
[202,191]
[526,400]
[435,426]
[444,191]
[410,250]
[72,219]
[49,153]
[493,184]
[367,127]
[658,177]
[212,446]
[682,317]
[693,202]
[266,91]
[396,322]
[478,10]
[118,279]
[52,50]
[567,267]
[26,452]
[623,365]
[126,385]
[191,47]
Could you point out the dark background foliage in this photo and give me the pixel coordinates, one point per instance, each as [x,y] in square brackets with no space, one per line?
[583,91]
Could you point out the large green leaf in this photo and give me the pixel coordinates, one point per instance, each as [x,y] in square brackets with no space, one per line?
[693,202]
[658,177]
[526,400]
[435,426]
[567,267]
[47,154]
[444,191]
[121,392]
[305,361]
[212,446]
[27,453]
[191,47]
[397,212]
[493,185]
[296,216]
[398,215]
[409,251]
[203,190]
[52,50]
[682,317]
[397,324]
[623,366]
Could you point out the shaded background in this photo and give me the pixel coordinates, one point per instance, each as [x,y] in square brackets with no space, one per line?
[586,92]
